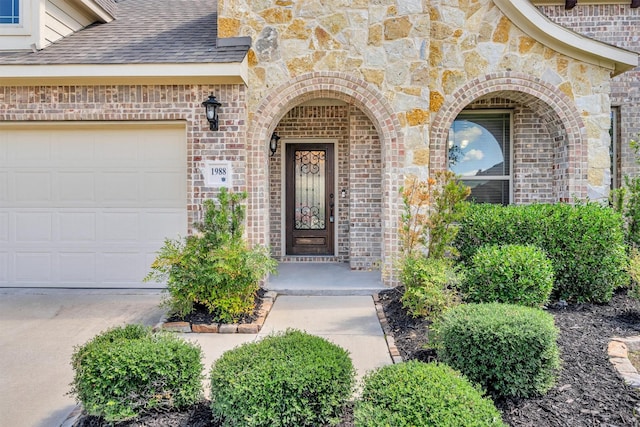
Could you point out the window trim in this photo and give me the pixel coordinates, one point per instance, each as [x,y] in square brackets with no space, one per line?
[508,178]
[25,17]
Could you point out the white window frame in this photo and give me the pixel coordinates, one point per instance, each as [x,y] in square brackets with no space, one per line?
[507,178]
[23,27]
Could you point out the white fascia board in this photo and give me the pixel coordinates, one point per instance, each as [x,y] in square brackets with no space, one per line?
[530,20]
[97,10]
[88,74]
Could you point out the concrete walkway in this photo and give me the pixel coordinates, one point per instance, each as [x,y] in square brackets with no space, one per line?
[39,329]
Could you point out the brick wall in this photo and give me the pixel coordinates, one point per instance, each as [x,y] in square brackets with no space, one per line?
[358,226]
[616,24]
[365,193]
[147,103]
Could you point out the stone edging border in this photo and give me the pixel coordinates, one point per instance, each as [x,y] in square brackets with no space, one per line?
[618,351]
[266,304]
[388,335]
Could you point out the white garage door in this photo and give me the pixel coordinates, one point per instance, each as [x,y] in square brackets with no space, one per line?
[87,205]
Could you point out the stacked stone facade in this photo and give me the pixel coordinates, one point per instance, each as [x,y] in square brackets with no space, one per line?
[411,67]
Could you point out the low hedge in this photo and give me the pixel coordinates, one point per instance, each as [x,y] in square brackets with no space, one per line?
[420,394]
[288,379]
[514,274]
[510,350]
[126,371]
[585,243]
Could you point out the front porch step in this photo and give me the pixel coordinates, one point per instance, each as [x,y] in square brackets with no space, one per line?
[323,278]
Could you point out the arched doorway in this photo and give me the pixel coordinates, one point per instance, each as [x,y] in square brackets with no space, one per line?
[369,155]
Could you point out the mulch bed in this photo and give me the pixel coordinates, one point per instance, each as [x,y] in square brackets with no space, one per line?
[589,392]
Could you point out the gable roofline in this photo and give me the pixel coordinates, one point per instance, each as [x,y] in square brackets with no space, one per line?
[103,74]
[530,20]
[97,8]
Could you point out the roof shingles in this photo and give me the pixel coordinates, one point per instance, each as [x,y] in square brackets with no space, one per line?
[145,32]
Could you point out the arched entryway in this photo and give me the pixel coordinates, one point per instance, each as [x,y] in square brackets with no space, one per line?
[549,143]
[367,151]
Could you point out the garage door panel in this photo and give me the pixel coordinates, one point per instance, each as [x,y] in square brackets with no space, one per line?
[121,267]
[117,152]
[4,268]
[30,149]
[4,188]
[73,149]
[31,187]
[76,188]
[156,224]
[163,189]
[4,229]
[120,227]
[33,267]
[33,227]
[76,227]
[119,188]
[91,206]
[77,267]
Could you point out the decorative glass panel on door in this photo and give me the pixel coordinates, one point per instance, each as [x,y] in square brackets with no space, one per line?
[310,196]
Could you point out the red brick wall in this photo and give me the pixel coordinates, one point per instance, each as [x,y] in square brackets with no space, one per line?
[147,103]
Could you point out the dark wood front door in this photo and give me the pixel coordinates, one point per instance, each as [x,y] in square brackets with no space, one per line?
[310,215]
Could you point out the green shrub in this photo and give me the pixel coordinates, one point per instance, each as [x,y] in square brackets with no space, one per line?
[126,371]
[288,379]
[509,349]
[429,285]
[514,274]
[419,394]
[585,243]
[215,268]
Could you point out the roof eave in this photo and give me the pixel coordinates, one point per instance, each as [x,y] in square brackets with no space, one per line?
[92,74]
[96,9]
[530,20]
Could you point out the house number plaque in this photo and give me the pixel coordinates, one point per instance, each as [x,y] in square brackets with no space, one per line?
[217,174]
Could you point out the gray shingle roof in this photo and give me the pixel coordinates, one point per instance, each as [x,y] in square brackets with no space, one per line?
[109,5]
[145,31]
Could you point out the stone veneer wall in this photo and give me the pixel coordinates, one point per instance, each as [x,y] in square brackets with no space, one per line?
[147,103]
[619,25]
[412,66]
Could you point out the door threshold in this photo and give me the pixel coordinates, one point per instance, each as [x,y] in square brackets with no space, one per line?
[310,258]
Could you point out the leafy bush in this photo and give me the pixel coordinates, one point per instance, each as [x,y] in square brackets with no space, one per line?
[634,273]
[288,379]
[420,394]
[626,200]
[429,285]
[513,274]
[509,349]
[126,371]
[215,268]
[585,243]
[430,214]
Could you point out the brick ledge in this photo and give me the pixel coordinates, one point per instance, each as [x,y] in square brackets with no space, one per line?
[266,304]
[618,351]
[388,335]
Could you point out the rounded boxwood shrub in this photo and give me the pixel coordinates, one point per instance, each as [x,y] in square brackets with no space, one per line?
[126,371]
[509,349]
[420,394]
[286,379]
[514,274]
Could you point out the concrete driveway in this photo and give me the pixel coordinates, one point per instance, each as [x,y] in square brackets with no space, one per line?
[38,331]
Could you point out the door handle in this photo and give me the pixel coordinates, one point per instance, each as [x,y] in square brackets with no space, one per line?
[331,208]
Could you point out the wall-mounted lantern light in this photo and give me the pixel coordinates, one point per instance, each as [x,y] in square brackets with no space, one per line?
[273,143]
[211,106]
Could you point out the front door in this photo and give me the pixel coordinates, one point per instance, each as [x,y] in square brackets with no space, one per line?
[310,200]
